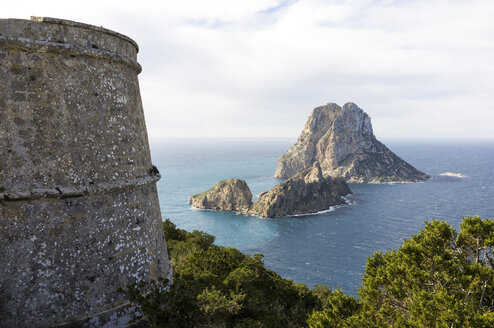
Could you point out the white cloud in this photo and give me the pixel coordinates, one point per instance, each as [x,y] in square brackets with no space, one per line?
[257,68]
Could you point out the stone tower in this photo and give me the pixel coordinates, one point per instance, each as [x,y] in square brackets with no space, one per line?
[79,212]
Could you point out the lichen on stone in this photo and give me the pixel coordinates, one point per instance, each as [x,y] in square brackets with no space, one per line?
[79,210]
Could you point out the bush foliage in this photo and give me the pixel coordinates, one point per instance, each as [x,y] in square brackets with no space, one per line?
[216,286]
[437,278]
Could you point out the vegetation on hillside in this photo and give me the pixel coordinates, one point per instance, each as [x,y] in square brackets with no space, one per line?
[216,286]
[437,278]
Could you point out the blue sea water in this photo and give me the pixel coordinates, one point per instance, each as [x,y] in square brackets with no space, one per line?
[330,248]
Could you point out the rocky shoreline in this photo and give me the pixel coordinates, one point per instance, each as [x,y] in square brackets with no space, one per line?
[305,193]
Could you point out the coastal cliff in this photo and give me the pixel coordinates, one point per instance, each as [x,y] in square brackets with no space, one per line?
[341,139]
[307,192]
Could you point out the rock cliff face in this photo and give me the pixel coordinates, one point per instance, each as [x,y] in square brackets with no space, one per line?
[342,141]
[226,195]
[307,192]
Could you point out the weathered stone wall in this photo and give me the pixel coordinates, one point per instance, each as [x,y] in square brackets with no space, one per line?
[79,213]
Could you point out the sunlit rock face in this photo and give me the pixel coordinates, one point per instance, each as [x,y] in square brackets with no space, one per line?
[342,141]
[226,195]
[79,211]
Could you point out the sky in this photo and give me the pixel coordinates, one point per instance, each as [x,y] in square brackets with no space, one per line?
[421,69]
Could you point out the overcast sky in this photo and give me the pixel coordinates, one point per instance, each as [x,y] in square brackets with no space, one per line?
[256,68]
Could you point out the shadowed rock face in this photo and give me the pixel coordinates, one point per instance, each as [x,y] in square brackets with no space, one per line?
[342,141]
[307,192]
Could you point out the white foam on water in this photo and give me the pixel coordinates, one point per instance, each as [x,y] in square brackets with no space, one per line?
[454,175]
[346,198]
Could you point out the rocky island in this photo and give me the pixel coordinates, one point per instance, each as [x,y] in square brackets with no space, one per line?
[227,195]
[307,192]
[341,139]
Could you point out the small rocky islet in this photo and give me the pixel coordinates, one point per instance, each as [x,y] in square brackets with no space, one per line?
[337,145]
[307,192]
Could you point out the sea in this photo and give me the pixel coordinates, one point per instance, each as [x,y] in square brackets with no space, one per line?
[328,248]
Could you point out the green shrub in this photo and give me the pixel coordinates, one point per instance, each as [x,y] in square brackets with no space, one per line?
[216,286]
[437,278]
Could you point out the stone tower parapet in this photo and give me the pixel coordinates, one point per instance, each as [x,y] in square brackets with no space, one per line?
[79,212]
